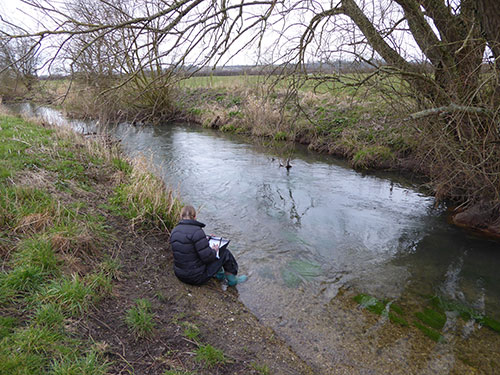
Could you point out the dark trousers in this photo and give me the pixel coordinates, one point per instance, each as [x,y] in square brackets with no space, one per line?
[226,260]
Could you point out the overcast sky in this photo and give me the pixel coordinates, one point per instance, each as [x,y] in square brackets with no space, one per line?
[17,11]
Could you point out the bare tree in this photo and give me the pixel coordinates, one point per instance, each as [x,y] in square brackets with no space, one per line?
[19,63]
[436,47]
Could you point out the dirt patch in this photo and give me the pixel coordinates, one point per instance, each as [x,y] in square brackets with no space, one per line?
[223,321]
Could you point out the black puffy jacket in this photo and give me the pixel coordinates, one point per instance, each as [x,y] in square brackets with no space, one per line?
[191,251]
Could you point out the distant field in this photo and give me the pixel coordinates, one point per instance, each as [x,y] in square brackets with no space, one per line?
[224,81]
[344,85]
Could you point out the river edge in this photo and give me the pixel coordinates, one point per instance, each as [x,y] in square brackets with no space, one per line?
[364,131]
[186,319]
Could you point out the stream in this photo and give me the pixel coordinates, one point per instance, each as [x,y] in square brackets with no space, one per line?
[314,236]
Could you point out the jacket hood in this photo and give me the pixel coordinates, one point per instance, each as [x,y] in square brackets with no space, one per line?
[191,222]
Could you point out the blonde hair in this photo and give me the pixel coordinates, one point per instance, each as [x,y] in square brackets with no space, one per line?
[188,212]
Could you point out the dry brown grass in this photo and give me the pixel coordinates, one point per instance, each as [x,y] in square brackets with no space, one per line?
[81,244]
[263,117]
[148,197]
[34,223]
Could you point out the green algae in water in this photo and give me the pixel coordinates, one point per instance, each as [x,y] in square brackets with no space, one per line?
[432,318]
[397,319]
[299,270]
[429,332]
[308,270]
[465,312]
[378,307]
[291,279]
[370,303]
[397,309]
[490,323]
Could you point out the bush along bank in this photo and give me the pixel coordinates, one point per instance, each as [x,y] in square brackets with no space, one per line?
[86,285]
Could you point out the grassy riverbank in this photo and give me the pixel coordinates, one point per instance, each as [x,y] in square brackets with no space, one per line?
[331,117]
[86,285]
[365,133]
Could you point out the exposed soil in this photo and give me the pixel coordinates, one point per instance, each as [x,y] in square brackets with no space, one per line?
[223,321]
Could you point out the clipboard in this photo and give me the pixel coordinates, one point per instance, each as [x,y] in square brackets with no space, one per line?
[214,240]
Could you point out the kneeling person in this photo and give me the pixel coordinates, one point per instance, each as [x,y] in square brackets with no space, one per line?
[195,262]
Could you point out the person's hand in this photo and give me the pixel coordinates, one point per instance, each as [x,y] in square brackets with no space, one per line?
[216,247]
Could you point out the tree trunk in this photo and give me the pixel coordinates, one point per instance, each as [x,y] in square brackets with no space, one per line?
[488,12]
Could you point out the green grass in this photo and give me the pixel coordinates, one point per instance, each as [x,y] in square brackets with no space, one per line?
[140,319]
[49,315]
[72,294]
[39,292]
[36,251]
[7,324]
[145,200]
[261,369]
[191,331]
[90,363]
[210,356]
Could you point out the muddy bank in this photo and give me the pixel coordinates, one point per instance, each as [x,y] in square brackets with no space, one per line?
[223,322]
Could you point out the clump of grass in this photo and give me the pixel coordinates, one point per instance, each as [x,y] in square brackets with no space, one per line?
[25,278]
[139,318]
[49,315]
[7,324]
[100,283]
[261,369]
[122,165]
[191,331]
[146,200]
[22,202]
[89,363]
[210,356]
[110,267]
[72,294]
[372,155]
[36,251]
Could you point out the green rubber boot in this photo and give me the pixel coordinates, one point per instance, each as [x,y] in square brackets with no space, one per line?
[232,280]
[220,275]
